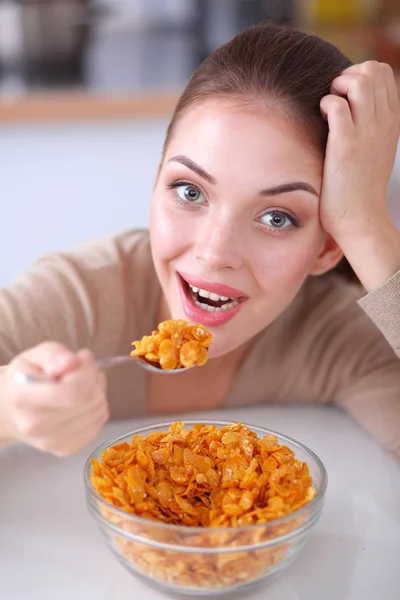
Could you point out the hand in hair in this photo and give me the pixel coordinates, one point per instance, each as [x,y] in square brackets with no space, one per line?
[363,115]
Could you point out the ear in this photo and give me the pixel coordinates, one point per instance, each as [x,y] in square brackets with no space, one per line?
[329,256]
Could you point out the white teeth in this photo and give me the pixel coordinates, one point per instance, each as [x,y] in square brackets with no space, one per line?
[209,308]
[214,297]
[204,293]
[211,295]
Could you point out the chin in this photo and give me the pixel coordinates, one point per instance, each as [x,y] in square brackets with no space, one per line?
[218,348]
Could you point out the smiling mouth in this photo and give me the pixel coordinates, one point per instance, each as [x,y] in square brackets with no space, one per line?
[209,301]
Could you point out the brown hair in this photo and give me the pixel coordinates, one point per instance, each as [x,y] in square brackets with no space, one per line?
[275,66]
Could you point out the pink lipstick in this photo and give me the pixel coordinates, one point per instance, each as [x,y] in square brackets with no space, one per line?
[217,288]
[210,303]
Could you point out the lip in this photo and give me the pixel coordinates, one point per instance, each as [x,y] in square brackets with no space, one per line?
[216,288]
[198,315]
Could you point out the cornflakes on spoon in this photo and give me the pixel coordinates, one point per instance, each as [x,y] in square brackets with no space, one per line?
[176,344]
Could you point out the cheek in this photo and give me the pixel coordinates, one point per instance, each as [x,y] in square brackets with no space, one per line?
[168,237]
[288,262]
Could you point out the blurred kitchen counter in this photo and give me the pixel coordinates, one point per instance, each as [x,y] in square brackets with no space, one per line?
[360,43]
[80,105]
[85,106]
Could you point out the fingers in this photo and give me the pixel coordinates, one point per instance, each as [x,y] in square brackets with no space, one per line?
[391,87]
[49,357]
[80,436]
[370,88]
[359,91]
[64,394]
[337,112]
[77,371]
[369,78]
[85,357]
[60,416]
[64,417]
[382,77]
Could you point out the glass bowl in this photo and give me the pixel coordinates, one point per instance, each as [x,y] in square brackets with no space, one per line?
[206,561]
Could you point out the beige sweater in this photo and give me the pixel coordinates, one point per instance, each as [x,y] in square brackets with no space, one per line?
[326,347]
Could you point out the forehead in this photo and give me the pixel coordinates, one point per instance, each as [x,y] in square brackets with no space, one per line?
[219,133]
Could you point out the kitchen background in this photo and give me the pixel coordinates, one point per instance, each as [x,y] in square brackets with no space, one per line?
[87,88]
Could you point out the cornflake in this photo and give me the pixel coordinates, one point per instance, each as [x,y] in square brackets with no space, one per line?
[174,345]
[204,477]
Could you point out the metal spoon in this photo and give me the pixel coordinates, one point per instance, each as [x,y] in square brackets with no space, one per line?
[102,363]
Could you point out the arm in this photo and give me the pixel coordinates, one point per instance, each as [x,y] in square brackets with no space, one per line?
[377,414]
[383,308]
[337,355]
[363,114]
[51,301]
[5,440]
[369,387]
[61,416]
[75,299]
[373,399]
[369,384]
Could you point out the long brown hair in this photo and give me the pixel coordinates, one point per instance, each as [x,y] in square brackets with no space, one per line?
[276,66]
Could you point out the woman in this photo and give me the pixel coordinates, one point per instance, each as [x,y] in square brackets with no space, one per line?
[261,224]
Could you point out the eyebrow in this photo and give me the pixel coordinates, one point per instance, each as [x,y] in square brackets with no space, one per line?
[190,164]
[284,188]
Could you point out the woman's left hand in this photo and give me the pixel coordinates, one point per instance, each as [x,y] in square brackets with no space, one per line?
[363,115]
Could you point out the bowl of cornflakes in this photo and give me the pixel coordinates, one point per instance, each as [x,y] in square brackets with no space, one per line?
[205,508]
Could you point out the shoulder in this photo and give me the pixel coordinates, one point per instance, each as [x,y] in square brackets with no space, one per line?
[321,322]
[104,272]
[338,335]
[110,254]
[329,291]
[336,305]
[325,339]
[129,245]
[328,306]
[324,308]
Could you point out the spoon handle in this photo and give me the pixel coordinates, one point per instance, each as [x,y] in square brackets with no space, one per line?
[102,363]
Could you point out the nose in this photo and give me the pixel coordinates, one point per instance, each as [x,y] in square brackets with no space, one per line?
[218,243]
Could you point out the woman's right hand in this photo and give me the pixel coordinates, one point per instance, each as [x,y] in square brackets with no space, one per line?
[59,417]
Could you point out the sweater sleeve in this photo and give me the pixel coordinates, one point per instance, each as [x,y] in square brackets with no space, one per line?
[75,298]
[383,308]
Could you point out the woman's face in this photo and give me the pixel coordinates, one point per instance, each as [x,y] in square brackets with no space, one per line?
[234,223]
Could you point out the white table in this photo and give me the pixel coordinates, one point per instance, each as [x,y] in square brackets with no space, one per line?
[50,549]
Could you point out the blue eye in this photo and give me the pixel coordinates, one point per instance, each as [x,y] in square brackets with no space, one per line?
[278,219]
[189,193]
